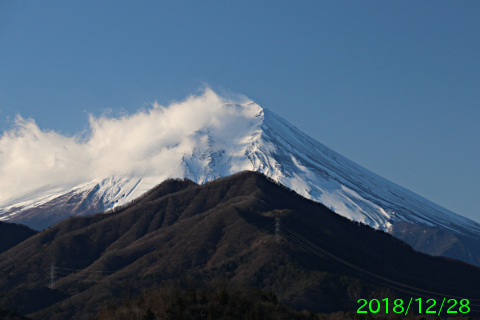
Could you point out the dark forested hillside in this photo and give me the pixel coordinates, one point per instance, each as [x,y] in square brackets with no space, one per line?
[12,234]
[179,300]
[10,315]
[223,230]
[196,301]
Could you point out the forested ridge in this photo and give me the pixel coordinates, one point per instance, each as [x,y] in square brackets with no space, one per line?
[223,230]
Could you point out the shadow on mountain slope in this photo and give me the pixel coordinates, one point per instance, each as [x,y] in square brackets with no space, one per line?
[12,234]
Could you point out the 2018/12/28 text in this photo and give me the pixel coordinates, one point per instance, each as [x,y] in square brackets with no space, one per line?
[423,306]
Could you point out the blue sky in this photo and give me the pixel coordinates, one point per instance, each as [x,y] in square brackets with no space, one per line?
[392,85]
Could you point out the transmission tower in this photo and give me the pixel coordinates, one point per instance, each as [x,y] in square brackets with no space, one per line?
[277,230]
[52,276]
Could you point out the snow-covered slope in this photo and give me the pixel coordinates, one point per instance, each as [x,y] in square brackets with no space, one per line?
[247,137]
[318,173]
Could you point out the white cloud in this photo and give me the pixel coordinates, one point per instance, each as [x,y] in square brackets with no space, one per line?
[147,142]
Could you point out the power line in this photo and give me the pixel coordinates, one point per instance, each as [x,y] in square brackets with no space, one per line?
[277,230]
[299,241]
[52,276]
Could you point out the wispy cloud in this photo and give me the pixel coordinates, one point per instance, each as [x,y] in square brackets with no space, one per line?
[147,142]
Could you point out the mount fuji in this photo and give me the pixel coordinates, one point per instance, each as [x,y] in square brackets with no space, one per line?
[212,137]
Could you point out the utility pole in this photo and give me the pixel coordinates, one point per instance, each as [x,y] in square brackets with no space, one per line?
[277,230]
[52,276]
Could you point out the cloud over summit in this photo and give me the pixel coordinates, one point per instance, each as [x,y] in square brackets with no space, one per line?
[151,141]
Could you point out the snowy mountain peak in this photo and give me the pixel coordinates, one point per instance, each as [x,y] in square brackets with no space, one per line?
[202,138]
